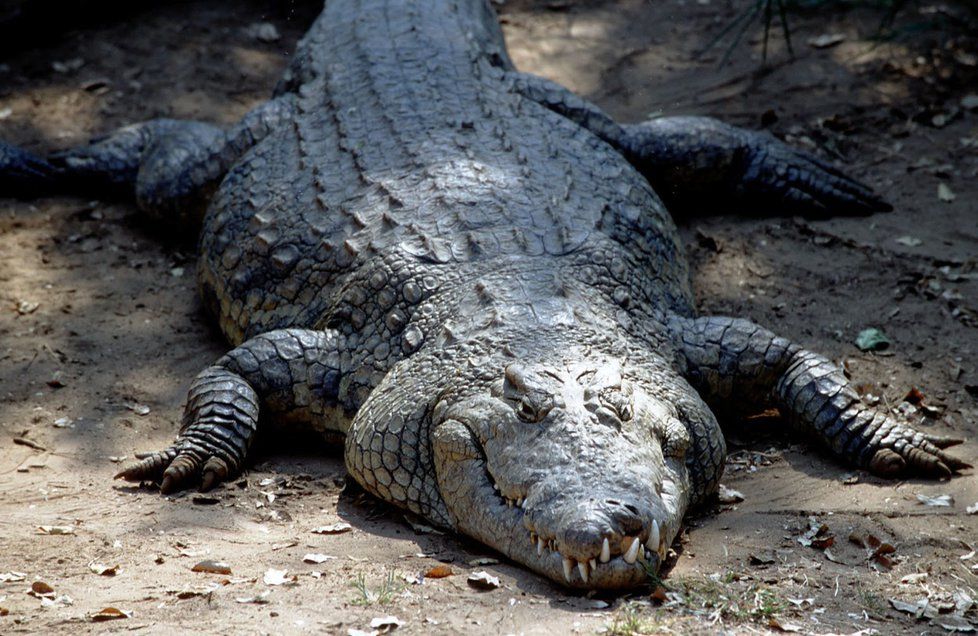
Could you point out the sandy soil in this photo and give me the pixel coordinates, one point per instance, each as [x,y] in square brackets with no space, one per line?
[100,333]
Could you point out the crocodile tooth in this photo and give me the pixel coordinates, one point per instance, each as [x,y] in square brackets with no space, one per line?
[632,553]
[568,568]
[653,542]
[605,551]
[533,538]
[539,546]
[593,563]
[582,568]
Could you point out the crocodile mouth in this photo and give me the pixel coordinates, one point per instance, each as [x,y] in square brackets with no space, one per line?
[646,550]
[576,540]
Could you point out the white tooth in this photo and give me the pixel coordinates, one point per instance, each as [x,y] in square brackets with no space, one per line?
[539,546]
[568,568]
[632,553]
[593,563]
[605,551]
[653,542]
[522,503]
[582,568]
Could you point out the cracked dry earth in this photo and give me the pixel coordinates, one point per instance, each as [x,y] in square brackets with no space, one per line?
[101,332]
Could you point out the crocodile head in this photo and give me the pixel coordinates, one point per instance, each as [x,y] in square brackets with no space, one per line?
[574,468]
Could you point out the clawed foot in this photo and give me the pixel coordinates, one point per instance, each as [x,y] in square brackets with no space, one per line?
[905,450]
[177,469]
[806,183]
[23,174]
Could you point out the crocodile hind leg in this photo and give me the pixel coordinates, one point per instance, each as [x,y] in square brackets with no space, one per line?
[737,365]
[171,167]
[290,374]
[696,163]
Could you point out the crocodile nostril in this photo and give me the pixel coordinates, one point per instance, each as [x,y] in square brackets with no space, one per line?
[625,518]
[614,503]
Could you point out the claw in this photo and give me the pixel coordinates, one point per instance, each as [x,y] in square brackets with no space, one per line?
[942,442]
[886,462]
[149,468]
[215,471]
[181,469]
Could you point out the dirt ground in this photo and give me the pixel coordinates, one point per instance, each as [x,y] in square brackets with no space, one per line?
[101,332]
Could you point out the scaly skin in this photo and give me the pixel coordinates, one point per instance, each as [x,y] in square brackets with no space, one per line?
[467,272]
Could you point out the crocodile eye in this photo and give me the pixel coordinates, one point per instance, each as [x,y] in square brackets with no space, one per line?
[527,411]
[528,393]
[618,402]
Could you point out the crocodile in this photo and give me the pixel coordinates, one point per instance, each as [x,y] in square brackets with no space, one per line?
[468,276]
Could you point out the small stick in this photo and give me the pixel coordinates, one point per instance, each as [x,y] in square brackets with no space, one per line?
[26,442]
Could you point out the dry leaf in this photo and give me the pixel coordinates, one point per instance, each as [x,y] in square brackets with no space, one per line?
[421,528]
[831,557]
[258,599]
[918,609]
[972,509]
[753,559]
[25,307]
[826,40]
[109,614]
[137,408]
[56,529]
[185,594]
[103,570]
[385,624]
[909,241]
[12,576]
[945,193]
[483,581]
[212,567]
[913,579]
[817,536]
[776,624]
[729,495]
[279,577]
[40,588]
[439,572]
[333,528]
[484,561]
[314,557]
[939,501]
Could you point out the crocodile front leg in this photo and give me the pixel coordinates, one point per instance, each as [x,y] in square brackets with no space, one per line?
[737,365]
[292,374]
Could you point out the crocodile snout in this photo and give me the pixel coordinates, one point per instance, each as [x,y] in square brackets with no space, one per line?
[599,534]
